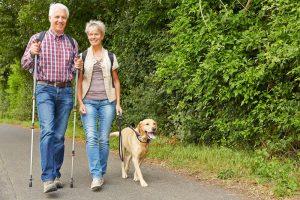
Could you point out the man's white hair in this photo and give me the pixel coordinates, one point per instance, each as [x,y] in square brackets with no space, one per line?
[55,6]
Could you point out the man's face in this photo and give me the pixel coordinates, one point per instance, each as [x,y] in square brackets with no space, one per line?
[58,21]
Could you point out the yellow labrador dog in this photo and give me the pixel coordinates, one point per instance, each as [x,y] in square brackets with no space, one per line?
[135,143]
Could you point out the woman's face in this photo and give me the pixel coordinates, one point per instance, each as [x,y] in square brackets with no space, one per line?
[95,37]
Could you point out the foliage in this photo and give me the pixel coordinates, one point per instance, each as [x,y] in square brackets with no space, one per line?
[19,93]
[234,81]
[210,72]
[4,102]
[279,173]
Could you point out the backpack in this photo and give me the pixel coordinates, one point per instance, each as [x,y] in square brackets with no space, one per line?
[111,58]
[42,35]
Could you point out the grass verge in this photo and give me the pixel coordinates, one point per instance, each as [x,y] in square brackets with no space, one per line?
[275,177]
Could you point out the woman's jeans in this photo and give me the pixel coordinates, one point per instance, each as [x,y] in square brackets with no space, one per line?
[54,106]
[97,123]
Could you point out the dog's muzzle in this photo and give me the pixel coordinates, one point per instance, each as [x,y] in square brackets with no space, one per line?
[151,135]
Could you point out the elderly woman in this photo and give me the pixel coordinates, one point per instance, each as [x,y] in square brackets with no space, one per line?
[99,99]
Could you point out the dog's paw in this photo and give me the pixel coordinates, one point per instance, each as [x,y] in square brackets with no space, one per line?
[143,184]
[124,176]
[135,177]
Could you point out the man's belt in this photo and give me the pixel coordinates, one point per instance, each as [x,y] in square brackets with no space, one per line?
[55,84]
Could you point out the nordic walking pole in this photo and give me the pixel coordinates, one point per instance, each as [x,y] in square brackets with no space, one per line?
[74,127]
[32,119]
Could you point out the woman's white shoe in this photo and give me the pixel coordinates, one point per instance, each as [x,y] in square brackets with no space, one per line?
[97,183]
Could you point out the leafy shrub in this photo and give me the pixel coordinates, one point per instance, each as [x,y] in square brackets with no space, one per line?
[19,93]
[232,77]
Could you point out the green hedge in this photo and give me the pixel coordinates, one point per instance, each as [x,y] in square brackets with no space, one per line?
[234,80]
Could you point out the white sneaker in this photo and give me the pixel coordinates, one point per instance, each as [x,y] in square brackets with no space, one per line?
[58,183]
[97,183]
[49,186]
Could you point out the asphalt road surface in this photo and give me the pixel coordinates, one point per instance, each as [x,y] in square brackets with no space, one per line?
[14,176]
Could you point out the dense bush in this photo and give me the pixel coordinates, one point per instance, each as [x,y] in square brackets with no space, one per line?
[232,77]
[19,93]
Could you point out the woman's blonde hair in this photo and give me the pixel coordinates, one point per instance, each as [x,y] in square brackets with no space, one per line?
[97,24]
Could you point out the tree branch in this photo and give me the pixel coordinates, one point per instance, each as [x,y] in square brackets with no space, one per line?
[248,5]
[223,5]
[241,4]
[202,13]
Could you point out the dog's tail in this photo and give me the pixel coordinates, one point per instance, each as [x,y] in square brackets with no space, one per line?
[114,134]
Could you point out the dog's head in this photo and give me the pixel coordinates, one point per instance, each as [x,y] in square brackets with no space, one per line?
[147,128]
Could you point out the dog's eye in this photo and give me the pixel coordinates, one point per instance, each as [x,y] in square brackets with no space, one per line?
[147,123]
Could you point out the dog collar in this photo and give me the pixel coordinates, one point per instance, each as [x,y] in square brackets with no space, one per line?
[138,135]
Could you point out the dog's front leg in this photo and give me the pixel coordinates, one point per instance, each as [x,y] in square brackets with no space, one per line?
[138,174]
[124,174]
[135,175]
[125,166]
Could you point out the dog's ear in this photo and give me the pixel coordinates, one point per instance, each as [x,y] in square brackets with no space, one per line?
[140,128]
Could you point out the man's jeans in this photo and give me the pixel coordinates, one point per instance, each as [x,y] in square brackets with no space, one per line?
[97,123]
[54,106]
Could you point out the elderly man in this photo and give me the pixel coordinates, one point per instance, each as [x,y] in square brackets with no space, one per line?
[57,61]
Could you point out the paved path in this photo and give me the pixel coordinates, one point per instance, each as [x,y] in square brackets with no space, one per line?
[14,174]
